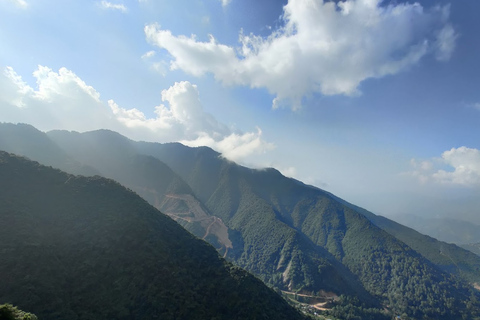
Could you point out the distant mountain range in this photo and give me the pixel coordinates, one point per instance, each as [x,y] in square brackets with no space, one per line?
[294,237]
[76,247]
[474,247]
[446,229]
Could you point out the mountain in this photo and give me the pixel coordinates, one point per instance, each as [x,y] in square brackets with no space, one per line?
[28,141]
[193,213]
[76,247]
[294,237]
[446,256]
[258,204]
[473,247]
[445,229]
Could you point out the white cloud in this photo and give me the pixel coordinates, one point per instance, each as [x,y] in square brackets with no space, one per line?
[14,88]
[420,170]
[466,167]
[113,6]
[288,171]
[148,54]
[446,43]
[323,47]
[20,3]
[194,57]
[185,121]
[65,84]
[463,164]
[160,67]
[64,101]
[225,2]
[234,146]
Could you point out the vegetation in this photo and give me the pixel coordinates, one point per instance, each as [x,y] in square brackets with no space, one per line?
[25,140]
[300,238]
[292,236]
[448,257]
[87,248]
[9,312]
[473,247]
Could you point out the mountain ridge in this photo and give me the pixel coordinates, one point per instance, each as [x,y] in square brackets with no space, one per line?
[299,237]
[87,248]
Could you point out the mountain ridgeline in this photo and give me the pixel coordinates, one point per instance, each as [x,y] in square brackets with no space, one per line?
[76,247]
[473,247]
[292,236]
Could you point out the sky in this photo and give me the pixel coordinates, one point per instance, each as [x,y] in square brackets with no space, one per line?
[375,101]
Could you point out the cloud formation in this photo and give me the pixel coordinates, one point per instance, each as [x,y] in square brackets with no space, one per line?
[20,3]
[463,168]
[445,43]
[466,167]
[324,47]
[160,67]
[64,101]
[225,2]
[113,6]
[421,170]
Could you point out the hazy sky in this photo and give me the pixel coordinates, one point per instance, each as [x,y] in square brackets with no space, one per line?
[375,101]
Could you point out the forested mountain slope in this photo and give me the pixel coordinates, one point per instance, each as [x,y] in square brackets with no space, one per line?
[258,230]
[448,257]
[473,247]
[297,237]
[87,248]
[251,202]
[448,229]
[25,140]
[292,236]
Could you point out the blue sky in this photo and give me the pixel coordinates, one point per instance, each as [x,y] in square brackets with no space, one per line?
[375,101]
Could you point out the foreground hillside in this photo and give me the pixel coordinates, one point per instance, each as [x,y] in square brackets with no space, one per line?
[9,312]
[294,237]
[87,248]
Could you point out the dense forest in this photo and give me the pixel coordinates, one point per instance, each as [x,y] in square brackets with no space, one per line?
[294,237]
[77,247]
[9,312]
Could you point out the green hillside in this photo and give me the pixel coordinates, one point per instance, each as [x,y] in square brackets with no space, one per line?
[9,312]
[257,204]
[446,256]
[27,141]
[87,248]
[294,237]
